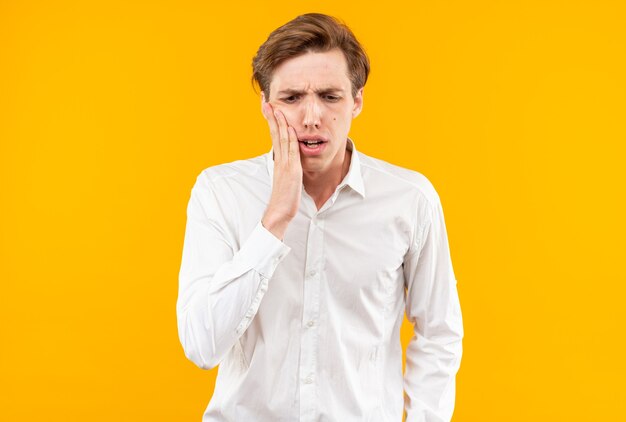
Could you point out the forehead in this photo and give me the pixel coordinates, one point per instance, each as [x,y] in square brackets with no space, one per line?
[312,70]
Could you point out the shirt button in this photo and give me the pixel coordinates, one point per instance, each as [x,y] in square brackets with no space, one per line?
[310,323]
[312,273]
[309,380]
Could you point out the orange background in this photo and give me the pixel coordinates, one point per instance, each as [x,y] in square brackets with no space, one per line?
[109,110]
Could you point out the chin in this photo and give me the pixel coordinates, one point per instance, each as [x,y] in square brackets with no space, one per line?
[312,165]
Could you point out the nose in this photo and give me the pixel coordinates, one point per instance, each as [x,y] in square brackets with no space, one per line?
[312,114]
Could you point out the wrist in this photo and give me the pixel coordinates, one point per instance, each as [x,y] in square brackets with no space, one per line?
[276,224]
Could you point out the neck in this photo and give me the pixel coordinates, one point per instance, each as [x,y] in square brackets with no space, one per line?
[321,185]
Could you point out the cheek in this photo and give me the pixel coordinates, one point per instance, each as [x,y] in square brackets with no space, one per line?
[340,117]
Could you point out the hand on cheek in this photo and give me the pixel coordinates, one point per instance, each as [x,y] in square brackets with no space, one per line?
[287,179]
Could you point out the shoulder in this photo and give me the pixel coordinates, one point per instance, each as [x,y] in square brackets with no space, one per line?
[399,177]
[235,171]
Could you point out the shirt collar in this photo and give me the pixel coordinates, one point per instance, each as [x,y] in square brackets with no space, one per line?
[354,178]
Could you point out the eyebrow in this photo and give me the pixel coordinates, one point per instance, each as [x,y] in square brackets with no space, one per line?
[291,91]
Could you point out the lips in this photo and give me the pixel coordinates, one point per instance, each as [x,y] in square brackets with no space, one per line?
[312,145]
[310,140]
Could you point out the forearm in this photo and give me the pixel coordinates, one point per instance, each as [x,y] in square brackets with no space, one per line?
[430,376]
[221,283]
[210,320]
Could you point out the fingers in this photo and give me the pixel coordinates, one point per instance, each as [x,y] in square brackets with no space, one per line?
[294,147]
[274,131]
[283,133]
[284,137]
[268,113]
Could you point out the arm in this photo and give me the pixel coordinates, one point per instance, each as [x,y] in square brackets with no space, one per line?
[220,284]
[432,305]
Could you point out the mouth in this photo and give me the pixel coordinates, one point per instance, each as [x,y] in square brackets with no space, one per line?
[312,141]
[312,145]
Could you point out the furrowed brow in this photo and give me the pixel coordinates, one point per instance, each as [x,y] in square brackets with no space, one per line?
[327,90]
[290,92]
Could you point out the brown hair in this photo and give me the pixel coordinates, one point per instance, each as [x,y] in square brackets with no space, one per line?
[312,32]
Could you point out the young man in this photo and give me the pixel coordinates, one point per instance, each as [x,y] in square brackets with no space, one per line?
[298,264]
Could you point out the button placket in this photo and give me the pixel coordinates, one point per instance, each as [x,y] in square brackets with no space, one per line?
[310,314]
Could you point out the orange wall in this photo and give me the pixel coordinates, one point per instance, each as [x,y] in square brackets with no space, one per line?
[110,109]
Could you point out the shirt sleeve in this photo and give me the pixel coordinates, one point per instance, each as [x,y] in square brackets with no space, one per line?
[433,355]
[221,283]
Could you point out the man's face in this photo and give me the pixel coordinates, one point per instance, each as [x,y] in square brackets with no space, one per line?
[314,93]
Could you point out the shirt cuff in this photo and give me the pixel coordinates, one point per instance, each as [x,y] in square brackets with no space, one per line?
[262,251]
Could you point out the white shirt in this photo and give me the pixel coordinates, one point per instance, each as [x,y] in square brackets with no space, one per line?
[308,328]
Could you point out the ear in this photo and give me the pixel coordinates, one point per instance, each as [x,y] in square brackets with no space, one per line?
[358,103]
